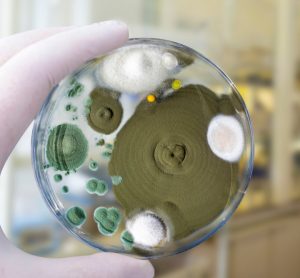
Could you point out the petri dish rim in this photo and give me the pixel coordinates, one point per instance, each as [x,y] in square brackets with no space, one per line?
[206,232]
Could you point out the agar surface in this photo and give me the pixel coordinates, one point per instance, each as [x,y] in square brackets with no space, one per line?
[88,102]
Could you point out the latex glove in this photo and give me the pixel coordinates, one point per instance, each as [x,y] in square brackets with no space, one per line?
[31,63]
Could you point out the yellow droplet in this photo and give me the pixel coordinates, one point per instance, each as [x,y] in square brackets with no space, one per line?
[151,98]
[176,84]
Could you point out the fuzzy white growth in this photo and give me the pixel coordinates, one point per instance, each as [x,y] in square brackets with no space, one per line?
[134,70]
[147,229]
[225,137]
[169,61]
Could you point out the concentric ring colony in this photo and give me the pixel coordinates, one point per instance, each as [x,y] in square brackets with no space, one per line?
[143,154]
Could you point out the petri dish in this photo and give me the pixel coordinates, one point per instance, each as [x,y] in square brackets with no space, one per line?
[147,150]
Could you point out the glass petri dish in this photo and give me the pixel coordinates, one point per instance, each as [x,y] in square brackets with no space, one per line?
[147,150]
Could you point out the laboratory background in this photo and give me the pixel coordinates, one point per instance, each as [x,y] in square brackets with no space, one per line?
[257,42]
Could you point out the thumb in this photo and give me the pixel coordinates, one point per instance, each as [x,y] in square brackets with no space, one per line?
[99,265]
[27,78]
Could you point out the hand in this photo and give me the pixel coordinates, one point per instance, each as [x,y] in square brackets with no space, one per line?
[31,63]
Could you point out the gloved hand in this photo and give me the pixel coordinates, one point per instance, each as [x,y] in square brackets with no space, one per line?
[31,63]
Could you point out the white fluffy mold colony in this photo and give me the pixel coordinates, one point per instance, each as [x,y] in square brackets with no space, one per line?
[148,230]
[137,69]
[225,137]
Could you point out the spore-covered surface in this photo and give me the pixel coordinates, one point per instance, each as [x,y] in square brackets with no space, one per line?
[147,150]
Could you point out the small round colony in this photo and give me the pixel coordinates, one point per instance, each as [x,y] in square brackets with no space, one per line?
[57,177]
[76,216]
[151,98]
[106,154]
[98,187]
[93,166]
[147,229]
[225,137]
[176,84]
[101,142]
[116,180]
[65,189]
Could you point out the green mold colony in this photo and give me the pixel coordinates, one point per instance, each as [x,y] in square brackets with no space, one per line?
[93,166]
[116,180]
[127,240]
[107,219]
[98,187]
[65,189]
[106,154]
[70,107]
[57,178]
[76,216]
[67,147]
[75,89]
[109,146]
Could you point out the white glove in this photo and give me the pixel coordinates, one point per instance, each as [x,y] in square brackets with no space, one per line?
[31,63]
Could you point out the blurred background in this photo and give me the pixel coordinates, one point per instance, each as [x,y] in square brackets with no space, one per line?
[257,43]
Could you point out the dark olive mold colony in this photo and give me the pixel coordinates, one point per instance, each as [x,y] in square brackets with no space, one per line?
[157,162]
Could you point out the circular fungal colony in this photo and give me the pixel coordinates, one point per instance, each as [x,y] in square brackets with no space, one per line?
[145,149]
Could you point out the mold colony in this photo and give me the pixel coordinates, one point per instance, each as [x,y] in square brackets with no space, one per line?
[66,148]
[172,158]
[172,168]
[105,111]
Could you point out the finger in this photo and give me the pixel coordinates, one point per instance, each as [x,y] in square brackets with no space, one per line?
[15,263]
[11,45]
[98,265]
[27,77]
